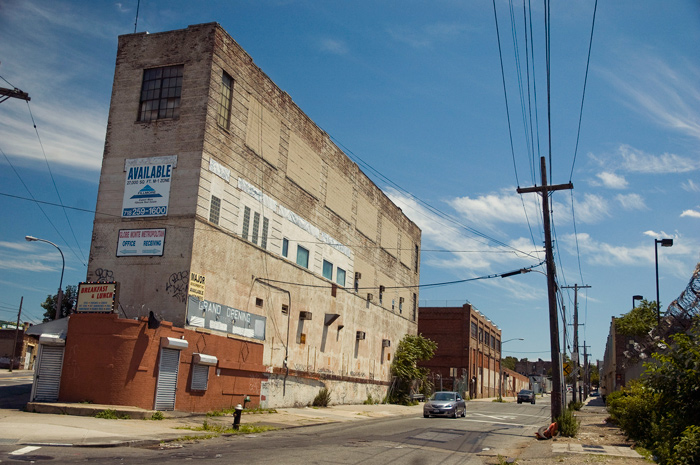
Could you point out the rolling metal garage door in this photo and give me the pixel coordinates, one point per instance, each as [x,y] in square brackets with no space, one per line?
[167,379]
[48,378]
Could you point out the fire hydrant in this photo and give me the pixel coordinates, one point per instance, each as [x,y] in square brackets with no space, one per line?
[238,410]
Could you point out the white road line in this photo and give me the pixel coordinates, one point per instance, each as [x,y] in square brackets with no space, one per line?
[24,450]
[501,423]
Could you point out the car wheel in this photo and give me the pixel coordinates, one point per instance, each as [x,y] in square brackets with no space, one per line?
[519,402]
[426,416]
[464,412]
[533,401]
[454,414]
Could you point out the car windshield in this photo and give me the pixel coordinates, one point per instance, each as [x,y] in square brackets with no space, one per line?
[444,396]
[525,392]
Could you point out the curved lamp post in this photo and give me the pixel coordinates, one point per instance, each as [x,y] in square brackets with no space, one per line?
[664,243]
[636,297]
[59,297]
[500,365]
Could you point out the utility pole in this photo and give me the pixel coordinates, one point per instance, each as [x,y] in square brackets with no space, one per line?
[14,93]
[14,346]
[544,190]
[574,357]
[587,372]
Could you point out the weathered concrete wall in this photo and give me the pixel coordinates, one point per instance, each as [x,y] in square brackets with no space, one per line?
[282,186]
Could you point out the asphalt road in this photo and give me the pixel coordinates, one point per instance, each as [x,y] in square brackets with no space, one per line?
[488,429]
[15,389]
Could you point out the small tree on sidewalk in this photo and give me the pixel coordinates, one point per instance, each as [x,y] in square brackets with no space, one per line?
[404,367]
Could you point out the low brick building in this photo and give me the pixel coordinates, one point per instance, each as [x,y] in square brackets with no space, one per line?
[468,357]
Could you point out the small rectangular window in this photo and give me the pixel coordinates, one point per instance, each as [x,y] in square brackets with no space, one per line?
[302,257]
[200,377]
[285,247]
[328,270]
[475,330]
[263,238]
[246,222]
[481,335]
[224,114]
[415,306]
[256,227]
[415,259]
[214,209]
[340,276]
[160,93]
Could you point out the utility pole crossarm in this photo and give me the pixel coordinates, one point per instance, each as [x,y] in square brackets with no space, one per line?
[556,187]
[14,93]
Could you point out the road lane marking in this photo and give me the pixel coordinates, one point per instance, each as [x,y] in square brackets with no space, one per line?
[24,450]
[501,423]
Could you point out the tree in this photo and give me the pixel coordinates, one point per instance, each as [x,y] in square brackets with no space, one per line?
[411,350]
[70,296]
[638,321]
[509,362]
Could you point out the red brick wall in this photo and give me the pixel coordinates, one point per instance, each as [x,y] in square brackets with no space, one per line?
[114,361]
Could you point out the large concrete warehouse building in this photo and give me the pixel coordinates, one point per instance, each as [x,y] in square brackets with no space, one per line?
[224,209]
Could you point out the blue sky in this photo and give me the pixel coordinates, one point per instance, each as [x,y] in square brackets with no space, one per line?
[414,90]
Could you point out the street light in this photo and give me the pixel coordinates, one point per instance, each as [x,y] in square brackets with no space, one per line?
[664,243]
[636,297]
[59,297]
[500,365]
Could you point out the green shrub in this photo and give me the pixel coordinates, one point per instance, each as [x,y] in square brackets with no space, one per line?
[568,424]
[635,410]
[687,450]
[370,400]
[323,398]
[575,405]
[110,414]
[157,416]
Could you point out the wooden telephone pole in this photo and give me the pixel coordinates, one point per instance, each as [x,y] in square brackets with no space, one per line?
[14,93]
[575,353]
[544,191]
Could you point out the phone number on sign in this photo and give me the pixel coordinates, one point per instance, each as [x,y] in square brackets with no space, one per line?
[145,211]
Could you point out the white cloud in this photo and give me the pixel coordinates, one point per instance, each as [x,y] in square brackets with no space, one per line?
[612,180]
[690,186]
[637,161]
[333,46]
[691,213]
[593,209]
[666,94]
[631,201]
[426,36]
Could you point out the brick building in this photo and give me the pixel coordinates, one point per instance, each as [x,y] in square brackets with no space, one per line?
[468,356]
[224,209]
[25,348]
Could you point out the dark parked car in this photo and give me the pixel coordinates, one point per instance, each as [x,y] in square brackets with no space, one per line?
[446,404]
[526,395]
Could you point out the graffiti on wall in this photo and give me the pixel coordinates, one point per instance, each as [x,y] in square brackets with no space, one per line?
[177,285]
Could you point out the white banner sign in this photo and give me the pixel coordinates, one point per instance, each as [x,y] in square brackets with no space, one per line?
[140,242]
[147,187]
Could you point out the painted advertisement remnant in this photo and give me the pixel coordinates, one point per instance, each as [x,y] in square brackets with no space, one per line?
[147,186]
[140,242]
[206,314]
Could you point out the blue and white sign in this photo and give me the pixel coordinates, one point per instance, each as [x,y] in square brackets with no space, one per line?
[211,315]
[141,242]
[147,186]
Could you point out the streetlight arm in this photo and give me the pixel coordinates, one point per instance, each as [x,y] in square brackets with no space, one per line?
[59,296]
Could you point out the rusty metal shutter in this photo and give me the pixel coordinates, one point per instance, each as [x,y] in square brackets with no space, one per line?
[167,379]
[48,377]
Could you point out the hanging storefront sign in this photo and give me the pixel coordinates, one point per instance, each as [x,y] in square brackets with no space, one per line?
[97,297]
[141,242]
[147,186]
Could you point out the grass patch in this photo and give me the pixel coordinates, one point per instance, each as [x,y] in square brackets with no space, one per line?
[323,398]
[110,414]
[216,430]
[157,416]
[498,399]
[230,411]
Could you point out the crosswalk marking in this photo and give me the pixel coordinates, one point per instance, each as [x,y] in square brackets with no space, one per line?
[25,450]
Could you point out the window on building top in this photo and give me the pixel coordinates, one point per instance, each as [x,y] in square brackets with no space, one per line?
[481,335]
[285,247]
[328,270]
[256,227]
[246,223]
[475,330]
[340,276]
[415,306]
[160,93]
[263,238]
[214,209]
[224,114]
[302,256]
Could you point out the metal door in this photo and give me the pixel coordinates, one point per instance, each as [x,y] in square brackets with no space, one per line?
[167,379]
[48,373]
